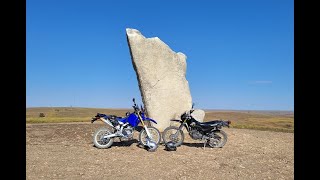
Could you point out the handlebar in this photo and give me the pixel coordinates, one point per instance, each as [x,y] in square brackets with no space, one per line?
[136,107]
[192,109]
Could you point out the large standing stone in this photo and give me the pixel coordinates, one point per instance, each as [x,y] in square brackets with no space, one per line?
[161,74]
[198,114]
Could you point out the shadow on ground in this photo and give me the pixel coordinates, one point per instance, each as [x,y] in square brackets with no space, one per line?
[198,145]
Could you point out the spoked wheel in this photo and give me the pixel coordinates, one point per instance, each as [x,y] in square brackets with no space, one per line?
[173,134]
[155,133]
[100,141]
[218,139]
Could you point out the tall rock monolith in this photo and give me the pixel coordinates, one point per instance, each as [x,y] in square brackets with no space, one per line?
[161,75]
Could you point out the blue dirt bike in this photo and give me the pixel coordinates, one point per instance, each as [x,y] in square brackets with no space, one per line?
[123,128]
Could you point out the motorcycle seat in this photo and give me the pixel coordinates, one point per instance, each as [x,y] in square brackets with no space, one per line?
[115,117]
[210,123]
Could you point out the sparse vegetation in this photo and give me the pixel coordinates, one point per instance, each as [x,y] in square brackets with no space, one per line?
[42,115]
[68,114]
[268,120]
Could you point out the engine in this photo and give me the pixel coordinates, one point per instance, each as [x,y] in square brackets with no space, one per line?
[128,132]
[195,134]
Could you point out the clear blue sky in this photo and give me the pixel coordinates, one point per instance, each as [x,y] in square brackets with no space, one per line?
[240,54]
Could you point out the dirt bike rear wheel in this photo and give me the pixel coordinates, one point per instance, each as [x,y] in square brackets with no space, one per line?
[218,139]
[99,141]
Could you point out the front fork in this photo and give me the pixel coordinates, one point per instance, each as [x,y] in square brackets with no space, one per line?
[179,129]
[145,127]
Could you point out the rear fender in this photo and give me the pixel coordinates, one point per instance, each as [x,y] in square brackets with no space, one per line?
[227,123]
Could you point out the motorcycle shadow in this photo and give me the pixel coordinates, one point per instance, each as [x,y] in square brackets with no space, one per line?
[125,143]
[197,145]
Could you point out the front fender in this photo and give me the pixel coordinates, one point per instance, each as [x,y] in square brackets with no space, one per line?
[149,119]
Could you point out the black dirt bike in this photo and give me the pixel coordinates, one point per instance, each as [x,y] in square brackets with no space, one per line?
[208,132]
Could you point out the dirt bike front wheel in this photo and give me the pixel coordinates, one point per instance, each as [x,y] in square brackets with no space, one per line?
[155,133]
[173,134]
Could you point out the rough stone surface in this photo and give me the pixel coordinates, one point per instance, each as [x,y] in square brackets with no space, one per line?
[198,114]
[161,75]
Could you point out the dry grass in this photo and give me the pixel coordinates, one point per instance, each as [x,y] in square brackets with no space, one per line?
[283,122]
[261,120]
[68,114]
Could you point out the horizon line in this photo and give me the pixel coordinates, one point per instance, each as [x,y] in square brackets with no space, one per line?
[205,109]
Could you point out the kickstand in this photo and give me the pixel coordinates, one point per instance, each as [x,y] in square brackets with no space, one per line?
[204,144]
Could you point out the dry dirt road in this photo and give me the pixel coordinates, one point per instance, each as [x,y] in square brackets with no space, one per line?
[66,151]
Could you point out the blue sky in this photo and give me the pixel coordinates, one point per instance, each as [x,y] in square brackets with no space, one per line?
[240,54]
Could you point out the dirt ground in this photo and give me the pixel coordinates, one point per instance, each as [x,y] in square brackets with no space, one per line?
[66,151]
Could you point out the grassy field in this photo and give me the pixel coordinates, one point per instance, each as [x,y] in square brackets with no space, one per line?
[273,121]
[282,121]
